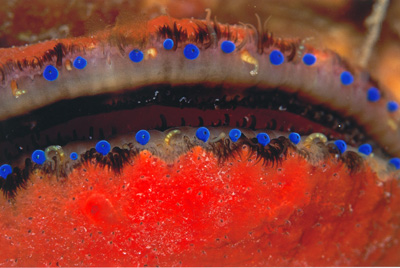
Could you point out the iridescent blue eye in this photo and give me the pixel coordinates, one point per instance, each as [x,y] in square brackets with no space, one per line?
[341,145]
[73,156]
[309,59]
[263,139]
[235,134]
[103,147]
[228,47]
[5,170]
[346,78]
[142,137]
[136,55]
[392,106]
[276,57]
[365,149]
[80,63]
[50,73]
[191,52]
[168,44]
[203,134]
[395,162]
[373,94]
[294,137]
[39,157]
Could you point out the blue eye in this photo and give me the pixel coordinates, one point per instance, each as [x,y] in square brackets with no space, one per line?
[309,59]
[228,47]
[80,63]
[294,137]
[365,149]
[203,134]
[276,57]
[73,156]
[263,139]
[392,106]
[50,73]
[136,55]
[341,145]
[373,94]
[395,162]
[168,44]
[39,157]
[235,134]
[142,137]
[103,147]
[191,52]
[5,170]
[346,78]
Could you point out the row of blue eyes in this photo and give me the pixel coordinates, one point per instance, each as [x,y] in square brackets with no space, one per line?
[143,137]
[191,52]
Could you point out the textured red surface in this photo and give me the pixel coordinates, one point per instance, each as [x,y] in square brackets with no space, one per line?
[199,212]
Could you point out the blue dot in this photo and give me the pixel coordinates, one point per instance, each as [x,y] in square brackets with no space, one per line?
[309,59]
[263,139]
[341,145]
[50,73]
[80,63]
[373,94]
[276,57]
[392,106]
[103,147]
[191,52]
[365,149]
[142,137]
[136,55]
[203,134]
[228,46]
[395,162]
[346,78]
[294,137]
[39,157]
[5,170]
[168,44]
[73,156]
[235,134]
